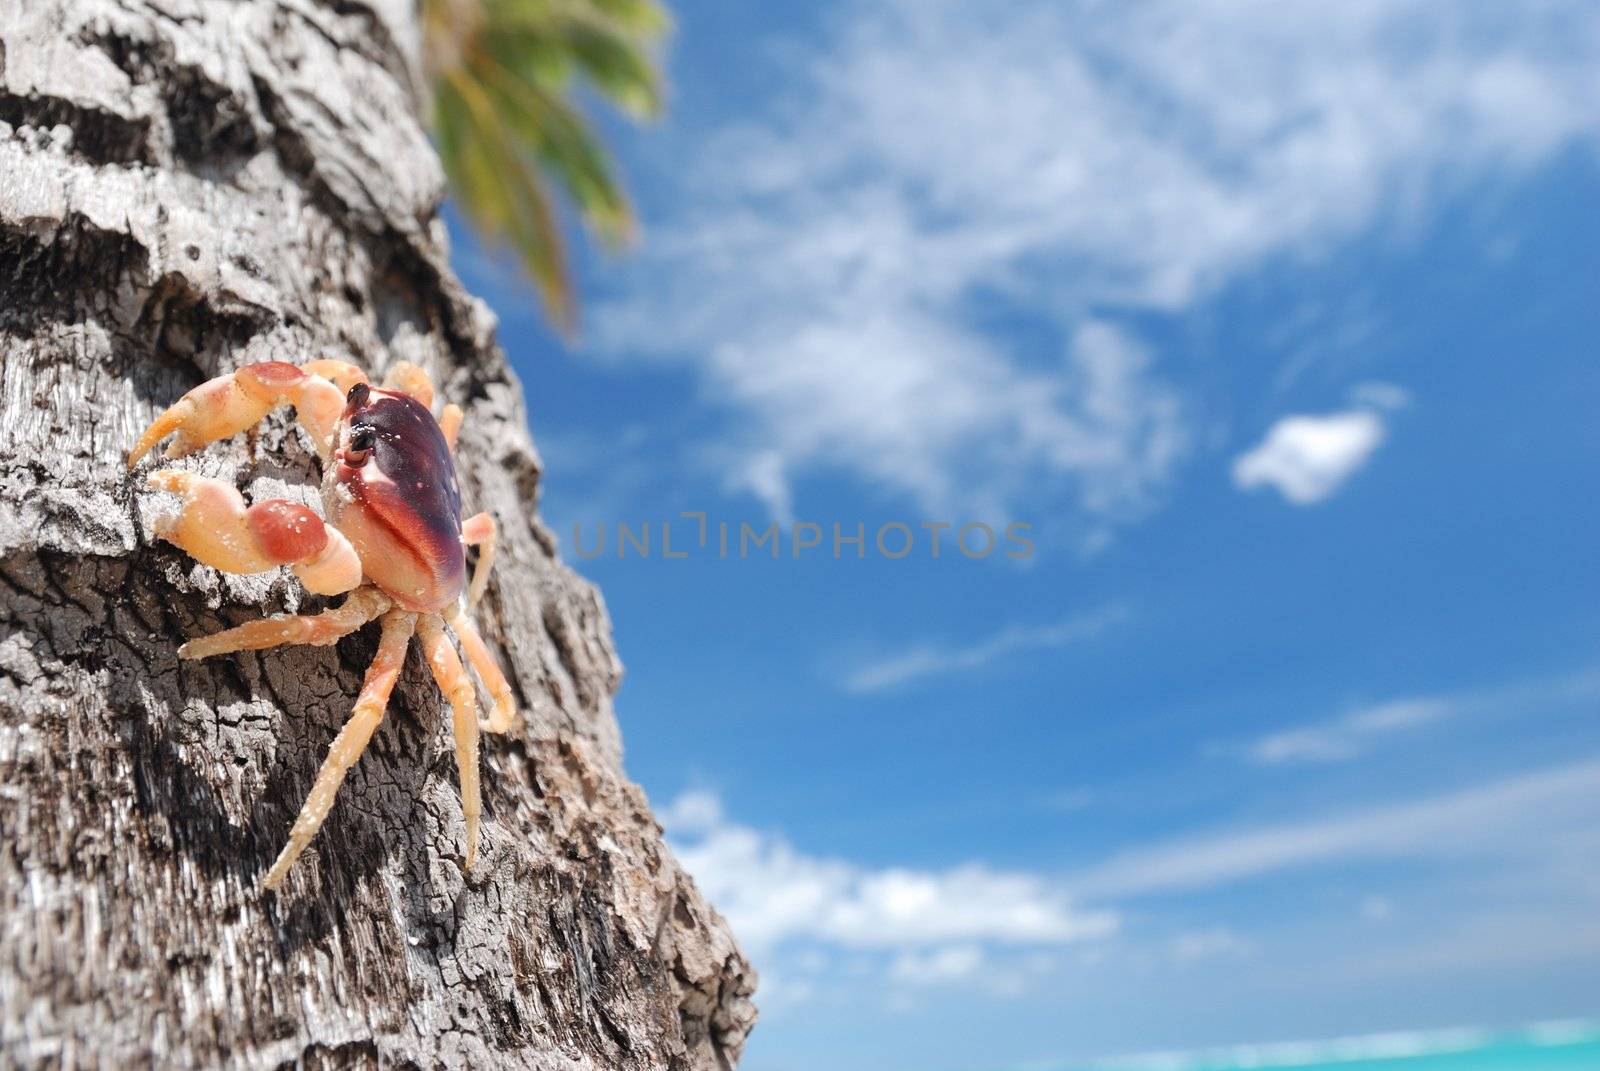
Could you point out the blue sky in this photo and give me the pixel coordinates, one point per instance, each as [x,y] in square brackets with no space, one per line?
[1277,324]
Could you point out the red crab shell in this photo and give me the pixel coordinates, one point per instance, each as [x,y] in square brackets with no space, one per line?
[398,500]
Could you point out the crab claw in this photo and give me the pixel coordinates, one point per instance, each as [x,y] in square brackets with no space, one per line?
[217,529]
[229,404]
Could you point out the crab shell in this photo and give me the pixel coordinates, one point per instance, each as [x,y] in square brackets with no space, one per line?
[398,502]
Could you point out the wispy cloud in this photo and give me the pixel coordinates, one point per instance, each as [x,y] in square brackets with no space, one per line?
[1376,908]
[826,921]
[1308,458]
[1067,800]
[1355,1049]
[1216,942]
[932,660]
[1501,818]
[1349,736]
[956,963]
[1359,731]
[847,270]
[773,893]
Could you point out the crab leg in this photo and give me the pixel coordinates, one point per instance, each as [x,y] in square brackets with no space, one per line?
[505,706]
[342,374]
[450,423]
[351,741]
[316,630]
[479,531]
[229,404]
[216,528]
[457,686]
[412,379]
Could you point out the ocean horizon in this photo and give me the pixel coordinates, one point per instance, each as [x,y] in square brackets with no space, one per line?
[1567,1045]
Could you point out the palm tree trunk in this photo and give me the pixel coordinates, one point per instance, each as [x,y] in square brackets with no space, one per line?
[187,186]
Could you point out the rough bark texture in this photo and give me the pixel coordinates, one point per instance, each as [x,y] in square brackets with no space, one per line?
[187,186]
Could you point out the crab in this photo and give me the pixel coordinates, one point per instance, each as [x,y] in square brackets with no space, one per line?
[390,538]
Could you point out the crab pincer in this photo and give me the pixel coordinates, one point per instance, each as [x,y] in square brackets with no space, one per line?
[216,527]
[229,404]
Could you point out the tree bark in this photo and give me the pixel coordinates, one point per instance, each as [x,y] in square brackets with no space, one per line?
[187,186]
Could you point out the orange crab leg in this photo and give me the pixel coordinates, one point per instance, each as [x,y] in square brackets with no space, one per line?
[450,423]
[217,528]
[229,404]
[412,379]
[352,740]
[415,381]
[453,681]
[479,531]
[315,630]
[505,706]
[342,374]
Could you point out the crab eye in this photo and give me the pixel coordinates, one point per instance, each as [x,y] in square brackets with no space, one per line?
[362,439]
[358,395]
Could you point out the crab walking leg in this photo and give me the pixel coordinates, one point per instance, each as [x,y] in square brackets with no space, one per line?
[342,374]
[450,423]
[505,707]
[217,528]
[229,404]
[453,681]
[351,741]
[479,531]
[412,379]
[316,630]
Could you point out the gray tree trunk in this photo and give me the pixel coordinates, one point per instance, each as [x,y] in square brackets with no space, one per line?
[187,186]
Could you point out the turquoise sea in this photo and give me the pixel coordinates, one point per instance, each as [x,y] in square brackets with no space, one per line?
[1564,1046]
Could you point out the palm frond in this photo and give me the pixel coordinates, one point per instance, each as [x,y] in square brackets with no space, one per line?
[504,74]
[502,193]
[645,19]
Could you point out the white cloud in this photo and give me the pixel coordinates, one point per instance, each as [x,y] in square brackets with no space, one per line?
[929,660]
[842,931]
[1308,458]
[695,811]
[1376,908]
[1067,800]
[915,267]
[1502,818]
[956,963]
[1377,395]
[1355,1049]
[772,893]
[1216,942]
[1349,736]
[1358,732]
[971,968]
[762,474]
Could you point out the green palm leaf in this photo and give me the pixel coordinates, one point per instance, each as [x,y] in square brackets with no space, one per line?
[504,73]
